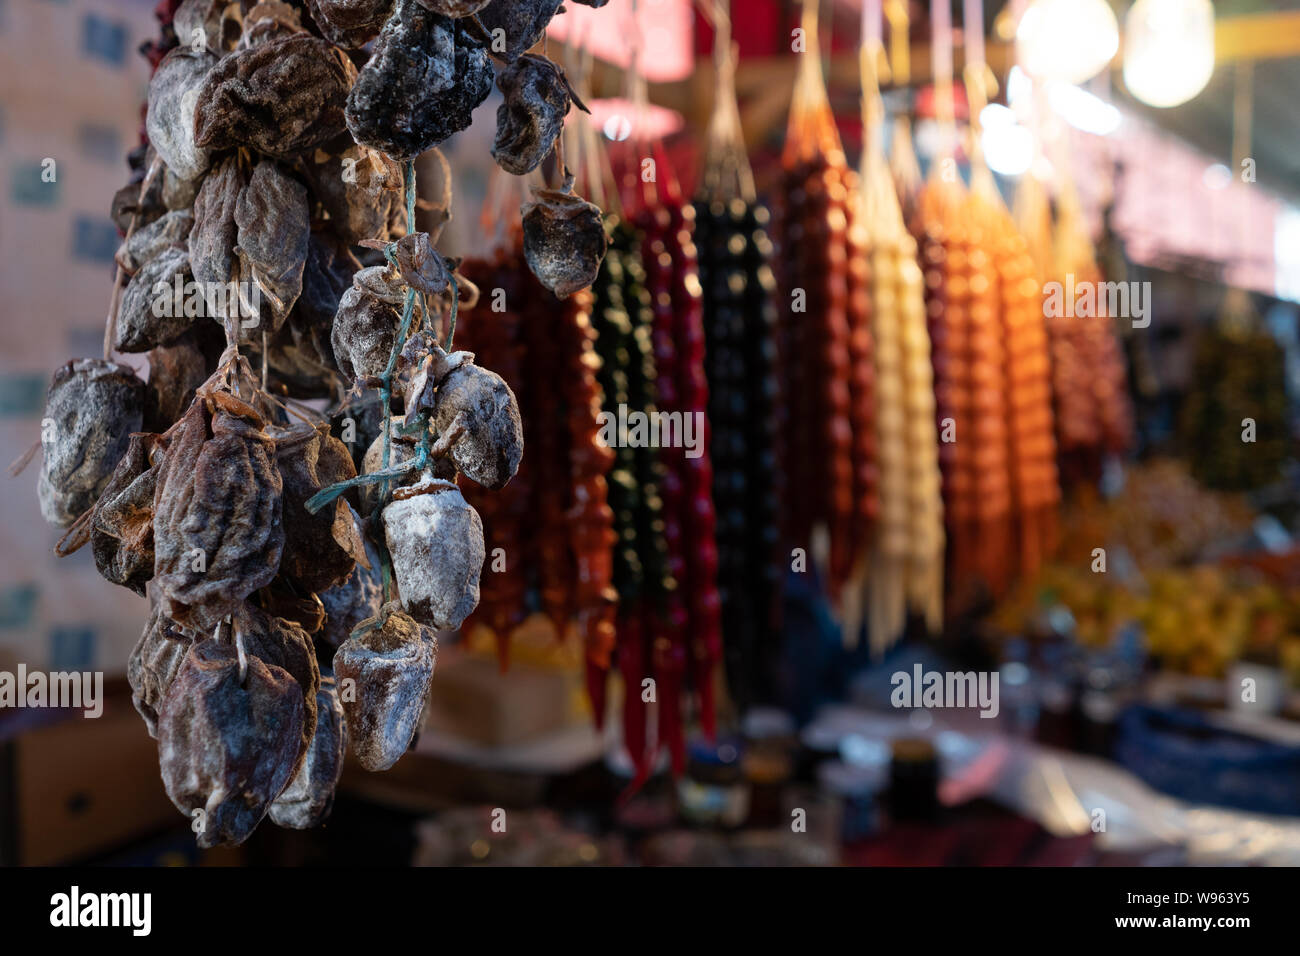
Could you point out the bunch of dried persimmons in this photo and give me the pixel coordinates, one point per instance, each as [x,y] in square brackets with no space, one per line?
[274,278]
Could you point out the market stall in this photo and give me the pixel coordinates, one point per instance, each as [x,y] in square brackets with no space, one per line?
[634,432]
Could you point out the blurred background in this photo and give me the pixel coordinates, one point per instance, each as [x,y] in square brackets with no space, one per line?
[1116,543]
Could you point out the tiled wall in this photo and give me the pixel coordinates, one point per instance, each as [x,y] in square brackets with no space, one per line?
[70,91]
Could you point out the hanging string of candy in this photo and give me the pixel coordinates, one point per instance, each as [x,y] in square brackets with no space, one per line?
[552,524]
[555,527]
[680,640]
[824,338]
[1034,483]
[906,569]
[739,317]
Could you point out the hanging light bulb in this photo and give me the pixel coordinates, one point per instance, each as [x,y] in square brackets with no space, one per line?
[1168,50]
[1066,40]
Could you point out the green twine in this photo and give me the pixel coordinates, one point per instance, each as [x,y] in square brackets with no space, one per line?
[386,389]
[420,425]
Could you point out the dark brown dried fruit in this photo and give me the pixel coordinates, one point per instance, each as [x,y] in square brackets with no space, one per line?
[283,643]
[319,549]
[521,24]
[171,230]
[436,541]
[212,240]
[178,194]
[228,747]
[159,303]
[421,84]
[176,371]
[278,600]
[530,119]
[271,20]
[357,598]
[422,268]
[564,239]
[206,20]
[358,187]
[122,528]
[273,221]
[92,408]
[367,322]
[475,416]
[217,520]
[153,665]
[128,204]
[454,8]
[308,799]
[170,119]
[350,23]
[326,276]
[280,98]
[383,677]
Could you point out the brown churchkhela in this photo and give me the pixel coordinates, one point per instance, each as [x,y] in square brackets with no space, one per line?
[824,339]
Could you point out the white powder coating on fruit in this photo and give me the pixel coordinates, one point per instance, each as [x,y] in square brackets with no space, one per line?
[367,321]
[436,541]
[491,442]
[390,668]
[91,409]
[169,117]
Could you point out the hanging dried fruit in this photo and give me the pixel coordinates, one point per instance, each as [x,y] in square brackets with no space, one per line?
[280,98]
[420,265]
[358,187]
[532,115]
[320,549]
[122,524]
[274,172]
[386,671]
[92,408]
[436,540]
[155,307]
[564,239]
[367,322]
[521,24]
[174,120]
[281,643]
[421,84]
[172,229]
[217,521]
[475,415]
[308,799]
[229,736]
[176,371]
[154,663]
[272,223]
[349,23]
[212,239]
[359,596]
